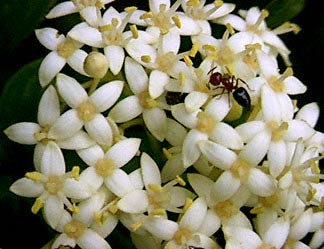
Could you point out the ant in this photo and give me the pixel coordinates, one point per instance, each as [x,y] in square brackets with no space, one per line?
[229,83]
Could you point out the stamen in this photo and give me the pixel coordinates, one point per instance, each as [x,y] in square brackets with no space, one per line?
[133,29]
[146,15]
[75,172]
[187,204]
[182,78]
[188,61]
[264,14]
[180,181]
[146,58]
[177,21]
[39,203]
[167,154]
[35,176]
[194,49]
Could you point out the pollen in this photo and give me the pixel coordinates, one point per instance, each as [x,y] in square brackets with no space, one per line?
[35,176]
[53,184]
[177,21]
[226,209]
[146,58]
[39,203]
[133,29]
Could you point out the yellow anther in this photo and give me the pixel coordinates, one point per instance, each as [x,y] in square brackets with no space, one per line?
[315,167]
[167,154]
[146,15]
[130,9]
[254,46]
[39,136]
[180,181]
[38,204]
[164,31]
[101,217]
[177,21]
[311,194]
[193,3]
[194,49]
[146,58]
[158,212]
[210,48]
[35,176]
[100,5]
[74,208]
[257,210]
[155,188]
[182,78]
[75,172]
[218,3]
[188,204]
[133,29]
[114,22]
[230,28]
[136,226]
[188,61]
[107,27]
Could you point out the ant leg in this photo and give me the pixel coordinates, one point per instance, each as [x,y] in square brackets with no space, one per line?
[239,79]
[211,70]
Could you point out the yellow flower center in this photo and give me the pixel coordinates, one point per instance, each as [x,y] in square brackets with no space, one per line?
[241,169]
[278,131]
[104,167]
[181,236]
[206,123]
[157,196]
[277,83]
[86,111]
[74,229]
[53,184]
[66,48]
[166,61]
[226,209]
[146,101]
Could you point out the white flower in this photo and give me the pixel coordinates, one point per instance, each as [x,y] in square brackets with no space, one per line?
[86,110]
[276,129]
[106,32]
[74,6]
[146,90]
[63,50]
[52,186]
[105,166]
[82,229]
[62,130]
[161,198]
[206,125]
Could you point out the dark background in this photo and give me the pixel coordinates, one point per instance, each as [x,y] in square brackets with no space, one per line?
[21,229]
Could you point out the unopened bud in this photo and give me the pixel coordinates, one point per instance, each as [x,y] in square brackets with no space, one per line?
[96,65]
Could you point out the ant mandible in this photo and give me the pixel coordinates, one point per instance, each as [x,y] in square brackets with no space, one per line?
[229,83]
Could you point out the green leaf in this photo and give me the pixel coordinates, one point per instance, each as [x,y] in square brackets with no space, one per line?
[18,19]
[282,11]
[19,102]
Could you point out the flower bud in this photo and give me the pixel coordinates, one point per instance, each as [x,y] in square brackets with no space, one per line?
[96,65]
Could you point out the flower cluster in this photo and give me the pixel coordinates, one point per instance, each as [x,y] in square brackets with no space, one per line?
[241,158]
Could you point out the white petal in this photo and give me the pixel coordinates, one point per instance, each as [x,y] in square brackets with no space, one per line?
[64,240]
[53,210]
[79,140]
[91,240]
[157,82]
[23,132]
[270,106]
[225,135]
[119,183]
[137,49]
[160,227]
[221,190]
[91,155]
[76,61]
[218,108]
[256,149]
[170,42]
[150,171]
[52,161]
[172,168]
[180,113]
[70,90]
[49,37]
[260,183]
[136,76]
[301,225]
[249,129]
[62,9]
[218,155]
[155,120]
[245,238]
[191,151]
[90,177]
[92,15]
[268,64]
[195,215]
[188,25]
[123,151]
[195,100]
[99,130]
[201,184]
[297,129]
[49,107]
[309,113]
[66,125]
[115,56]
[134,202]
[26,187]
[175,132]
[77,189]
[87,35]
[105,96]
[277,233]
[294,85]
[126,109]
[49,68]
[211,223]
[277,155]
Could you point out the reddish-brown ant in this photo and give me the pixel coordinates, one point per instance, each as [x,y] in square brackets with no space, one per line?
[229,83]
